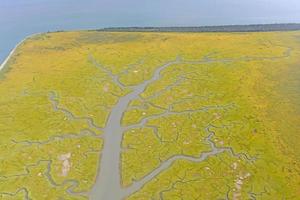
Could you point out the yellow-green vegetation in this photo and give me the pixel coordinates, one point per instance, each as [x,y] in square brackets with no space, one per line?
[212,115]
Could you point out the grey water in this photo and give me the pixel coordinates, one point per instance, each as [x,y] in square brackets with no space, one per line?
[20,18]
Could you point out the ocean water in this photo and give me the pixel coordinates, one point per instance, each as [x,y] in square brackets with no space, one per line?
[20,18]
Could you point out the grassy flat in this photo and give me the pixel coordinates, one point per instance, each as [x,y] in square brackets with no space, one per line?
[154,115]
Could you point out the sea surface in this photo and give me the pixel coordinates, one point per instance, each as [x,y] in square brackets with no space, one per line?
[20,18]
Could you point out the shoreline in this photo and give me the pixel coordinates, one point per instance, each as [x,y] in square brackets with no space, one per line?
[275,27]
[3,64]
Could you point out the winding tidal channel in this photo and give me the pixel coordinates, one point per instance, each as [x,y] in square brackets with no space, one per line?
[108,182]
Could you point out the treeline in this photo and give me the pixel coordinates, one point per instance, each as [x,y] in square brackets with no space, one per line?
[226,28]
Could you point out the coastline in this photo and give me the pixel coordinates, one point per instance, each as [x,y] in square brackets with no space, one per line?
[2,66]
[199,29]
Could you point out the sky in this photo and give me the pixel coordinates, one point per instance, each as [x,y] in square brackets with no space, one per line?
[19,18]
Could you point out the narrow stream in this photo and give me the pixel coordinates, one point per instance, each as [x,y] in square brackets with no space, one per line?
[108,182]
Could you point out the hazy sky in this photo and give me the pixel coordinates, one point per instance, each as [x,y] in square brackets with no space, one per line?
[99,13]
[19,18]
